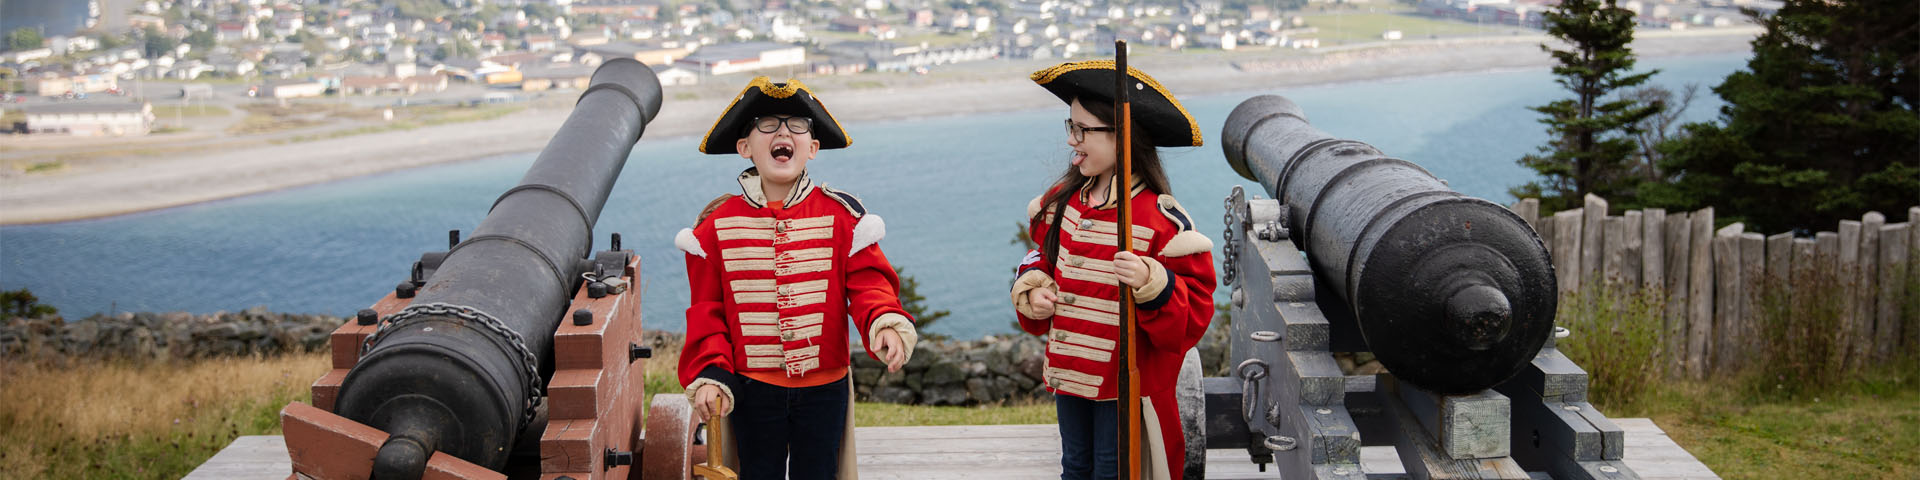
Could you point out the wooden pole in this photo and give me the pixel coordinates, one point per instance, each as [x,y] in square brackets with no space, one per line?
[1128,408]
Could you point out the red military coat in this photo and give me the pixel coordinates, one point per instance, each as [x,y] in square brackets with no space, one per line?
[772,288]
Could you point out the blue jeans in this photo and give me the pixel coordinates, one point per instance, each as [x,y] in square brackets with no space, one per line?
[772,423]
[1089,442]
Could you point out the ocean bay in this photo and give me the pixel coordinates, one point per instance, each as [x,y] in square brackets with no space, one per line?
[952,191]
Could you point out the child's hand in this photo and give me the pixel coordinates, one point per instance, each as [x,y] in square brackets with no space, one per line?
[708,402]
[1041,299]
[892,349]
[1131,269]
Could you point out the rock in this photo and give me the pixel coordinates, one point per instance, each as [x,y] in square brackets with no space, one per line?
[945,374]
[1033,367]
[892,394]
[926,354]
[945,395]
[867,376]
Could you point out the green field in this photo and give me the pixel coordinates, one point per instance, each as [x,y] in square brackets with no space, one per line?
[1344,27]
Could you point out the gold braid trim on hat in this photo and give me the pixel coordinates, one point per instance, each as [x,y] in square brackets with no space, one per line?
[777,91]
[770,89]
[1047,75]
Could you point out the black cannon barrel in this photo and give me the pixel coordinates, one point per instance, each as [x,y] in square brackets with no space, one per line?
[1454,294]
[459,371]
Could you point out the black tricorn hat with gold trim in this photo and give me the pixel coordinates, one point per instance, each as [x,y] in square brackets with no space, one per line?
[763,97]
[1155,112]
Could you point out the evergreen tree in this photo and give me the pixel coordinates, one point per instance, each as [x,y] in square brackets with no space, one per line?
[1820,126]
[1592,148]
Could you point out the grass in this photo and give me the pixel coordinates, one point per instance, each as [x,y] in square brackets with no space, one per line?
[170,111]
[1863,429]
[52,166]
[120,420]
[415,117]
[1367,27]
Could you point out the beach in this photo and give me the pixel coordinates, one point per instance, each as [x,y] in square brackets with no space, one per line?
[136,183]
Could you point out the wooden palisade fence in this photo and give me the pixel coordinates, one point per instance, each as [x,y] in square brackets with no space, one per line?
[1712,281]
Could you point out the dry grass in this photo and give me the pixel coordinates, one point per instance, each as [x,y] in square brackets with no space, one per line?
[118,420]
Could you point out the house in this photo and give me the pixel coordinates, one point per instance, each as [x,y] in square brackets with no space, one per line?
[91,119]
[647,53]
[394,85]
[570,77]
[743,57]
[236,31]
[293,89]
[52,85]
[671,75]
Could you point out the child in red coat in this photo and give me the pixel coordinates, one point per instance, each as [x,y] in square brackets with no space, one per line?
[1069,289]
[775,273]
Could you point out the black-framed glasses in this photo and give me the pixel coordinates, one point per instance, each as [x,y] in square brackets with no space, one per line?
[1079,132]
[770,124]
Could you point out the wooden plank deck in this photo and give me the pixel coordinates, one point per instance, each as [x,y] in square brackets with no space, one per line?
[1013,452]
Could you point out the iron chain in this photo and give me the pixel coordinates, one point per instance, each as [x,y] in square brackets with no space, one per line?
[1227,261]
[476,317]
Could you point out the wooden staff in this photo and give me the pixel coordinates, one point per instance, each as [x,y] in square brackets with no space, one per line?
[1128,408]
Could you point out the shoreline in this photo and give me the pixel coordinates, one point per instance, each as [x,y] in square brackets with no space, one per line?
[163,182]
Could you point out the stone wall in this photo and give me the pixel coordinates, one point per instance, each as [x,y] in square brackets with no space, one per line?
[159,336]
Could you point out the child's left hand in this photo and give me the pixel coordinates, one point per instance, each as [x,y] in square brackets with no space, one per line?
[892,349]
[1131,269]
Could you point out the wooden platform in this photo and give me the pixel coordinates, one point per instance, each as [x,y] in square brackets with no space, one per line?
[1008,452]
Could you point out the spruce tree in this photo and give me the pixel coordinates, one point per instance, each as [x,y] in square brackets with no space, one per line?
[1592,147]
[1820,126]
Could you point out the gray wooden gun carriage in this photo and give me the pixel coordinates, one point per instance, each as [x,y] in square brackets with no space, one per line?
[1358,252]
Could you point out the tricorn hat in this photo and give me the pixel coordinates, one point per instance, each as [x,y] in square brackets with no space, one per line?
[763,97]
[1155,112]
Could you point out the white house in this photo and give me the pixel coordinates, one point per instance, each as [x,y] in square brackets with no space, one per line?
[91,119]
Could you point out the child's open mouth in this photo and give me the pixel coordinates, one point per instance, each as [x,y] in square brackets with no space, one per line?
[1078,156]
[782,152]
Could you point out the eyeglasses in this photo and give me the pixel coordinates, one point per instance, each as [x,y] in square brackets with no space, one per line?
[1079,133]
[796,125]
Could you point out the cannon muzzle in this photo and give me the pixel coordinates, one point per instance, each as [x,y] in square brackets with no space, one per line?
[461,371]
[1452,293]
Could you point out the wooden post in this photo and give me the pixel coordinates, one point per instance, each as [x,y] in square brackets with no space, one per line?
[1866,280]
[1893,289]
[1912,331]
[1753,276]
[1592,229]
[1613,233]
[1633,241]
[1528,209]
[1653,251]
[1827,284]
[1807,262]
[1544,228]
[1679,245]
[1779,275]
[1699,292]
[1846,275]
[1724,342]
[1566,248]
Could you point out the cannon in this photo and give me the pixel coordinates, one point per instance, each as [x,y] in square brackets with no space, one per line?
[516,351]
[1356,251]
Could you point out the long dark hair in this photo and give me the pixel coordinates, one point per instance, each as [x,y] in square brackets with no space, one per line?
[1146,166]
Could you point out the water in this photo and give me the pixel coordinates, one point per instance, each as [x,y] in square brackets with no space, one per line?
[952,191]
[53,17]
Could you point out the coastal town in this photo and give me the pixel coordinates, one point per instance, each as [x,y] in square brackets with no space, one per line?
[183,54]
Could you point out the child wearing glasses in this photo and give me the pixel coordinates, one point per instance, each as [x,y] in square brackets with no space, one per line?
[1069,289]
[776,271]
